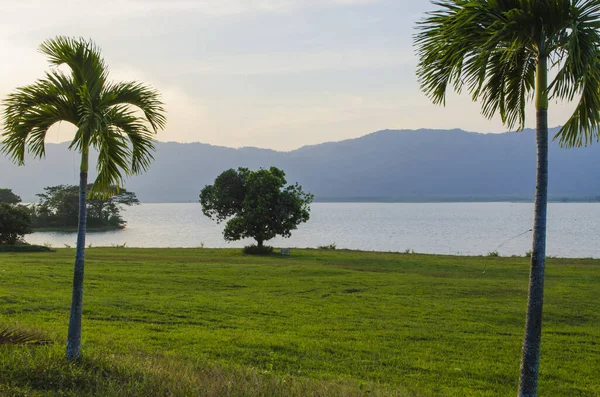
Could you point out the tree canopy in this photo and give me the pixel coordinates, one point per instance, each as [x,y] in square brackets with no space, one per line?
[255,204]
[15,223]
[58,207]
[7,196]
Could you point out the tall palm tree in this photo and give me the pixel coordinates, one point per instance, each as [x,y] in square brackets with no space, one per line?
[119,120]
[501,51]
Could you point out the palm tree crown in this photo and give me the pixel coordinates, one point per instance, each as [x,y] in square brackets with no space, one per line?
[106,114]
[492,48]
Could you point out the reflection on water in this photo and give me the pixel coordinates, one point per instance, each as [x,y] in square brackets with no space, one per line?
[441,228]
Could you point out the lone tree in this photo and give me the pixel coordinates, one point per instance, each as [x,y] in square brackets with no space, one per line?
[7,196]
[119,120]
[256,204]
[501,51]
[15,223]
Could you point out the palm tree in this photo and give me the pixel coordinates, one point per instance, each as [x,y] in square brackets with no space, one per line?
[119,120]
[501,51]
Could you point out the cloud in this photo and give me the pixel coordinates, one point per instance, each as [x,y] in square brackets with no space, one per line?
[269,73]
[58,11]
[19,65]
[294,62]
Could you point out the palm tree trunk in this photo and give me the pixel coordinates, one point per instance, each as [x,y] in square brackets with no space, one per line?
[533,327]
[74,337]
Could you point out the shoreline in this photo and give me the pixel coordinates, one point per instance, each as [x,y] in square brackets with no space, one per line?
[491,200]
[276,252]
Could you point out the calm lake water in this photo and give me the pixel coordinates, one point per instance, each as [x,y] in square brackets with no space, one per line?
[440,228]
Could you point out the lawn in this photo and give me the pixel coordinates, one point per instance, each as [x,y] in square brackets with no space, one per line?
[317,322]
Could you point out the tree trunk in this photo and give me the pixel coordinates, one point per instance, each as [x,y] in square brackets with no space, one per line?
[74,337]
[259,242]
[530,363]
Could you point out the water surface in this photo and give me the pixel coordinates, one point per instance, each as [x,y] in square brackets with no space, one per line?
[440,228]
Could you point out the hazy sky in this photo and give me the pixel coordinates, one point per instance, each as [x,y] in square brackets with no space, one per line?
[269,73]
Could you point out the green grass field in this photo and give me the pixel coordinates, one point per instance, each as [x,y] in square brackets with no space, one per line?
[319,322]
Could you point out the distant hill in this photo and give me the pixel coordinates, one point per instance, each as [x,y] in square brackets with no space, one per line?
[389,165]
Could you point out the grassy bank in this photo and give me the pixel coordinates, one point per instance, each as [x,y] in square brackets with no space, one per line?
[216,322]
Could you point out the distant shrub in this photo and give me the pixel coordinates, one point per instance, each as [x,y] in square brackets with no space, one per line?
[58,208]
[256,250]
[528,254]
[493,253]
[331,246]
[15,222]
[409,251]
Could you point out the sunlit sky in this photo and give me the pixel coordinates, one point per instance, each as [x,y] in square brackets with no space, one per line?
[275,74]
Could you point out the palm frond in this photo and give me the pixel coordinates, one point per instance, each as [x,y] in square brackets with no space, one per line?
[12,336]
[139,95]
[81,56]
[582,127]
[141,139]
[483,45]
[29,112]
[507,86]
[113,154]
[578,63]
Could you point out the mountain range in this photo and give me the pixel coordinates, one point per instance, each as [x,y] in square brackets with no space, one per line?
[388,165]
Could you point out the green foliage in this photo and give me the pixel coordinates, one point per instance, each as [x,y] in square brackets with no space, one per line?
[7,196]
[255,204]
[397,323]
[15,222]
[493,254]
[258,250]
[492,48]
[58,208]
